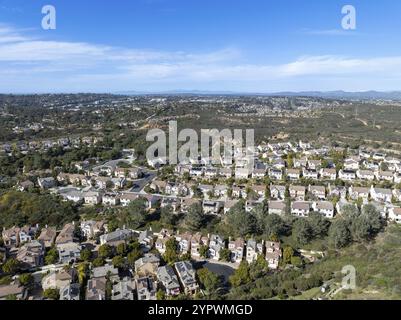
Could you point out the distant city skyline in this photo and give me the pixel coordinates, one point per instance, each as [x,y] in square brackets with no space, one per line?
[253,46]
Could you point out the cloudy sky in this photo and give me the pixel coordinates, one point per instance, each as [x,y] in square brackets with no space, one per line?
[162,45]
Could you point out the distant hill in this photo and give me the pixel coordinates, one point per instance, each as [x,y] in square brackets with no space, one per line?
[363,95]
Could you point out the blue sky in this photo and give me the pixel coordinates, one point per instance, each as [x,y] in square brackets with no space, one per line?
[237,45]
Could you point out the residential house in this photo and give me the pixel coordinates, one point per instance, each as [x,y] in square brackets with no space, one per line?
[70,292]
[258,173]
[184,242]
[187,276]
[253,250]
[13,289]
[314,164]
[67,234]
[356,193]
[277,192]
[325,208]
[116,237]
[69,252]
[347,175]
[237,250]
[385,176]
[174,203]
[337,191]
[297,192]
[239,192]
[31,255]
[93,197]
[46,183]
[47,236]
[273,254]
[293,174]
[211,173]
[367,175]
[123,290]
[146,241]
[216,243]
[147,265]
[169,280]
[275,174]
[226,173]
[317,192]
[197,241]
[211,207]
[158,186]
[351,163]
[259,190]
[127,197]
[186,203]
[300,208]
[25,185]
[220,191]
[59,279]
[310,174]
[277,207]
[328,173]
[96,289]
[106,271]
[146,288]
[380,194]
[92,228]
[111,199]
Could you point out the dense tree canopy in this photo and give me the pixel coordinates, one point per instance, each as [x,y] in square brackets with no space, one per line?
[21,208]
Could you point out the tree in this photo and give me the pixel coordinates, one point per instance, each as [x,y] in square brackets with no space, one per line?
[195,217]
[301,231]
[105,251]
[98,262]
[171,255]
[83,271]
[203,251]
[210,281]
[86,254]
[339,234]
[167,216]
[52,294]
[319,225]
[225,255]
[296,261]
[11,266]
[288,253]
[273,225]
[51,256]
[26,280]
[135,215]
[118,262]
[160,295]
[121,249]
[134,254]
[241,275]
[258,267]
[242,222]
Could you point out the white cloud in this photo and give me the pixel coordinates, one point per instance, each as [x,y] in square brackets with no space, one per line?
[24,59]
